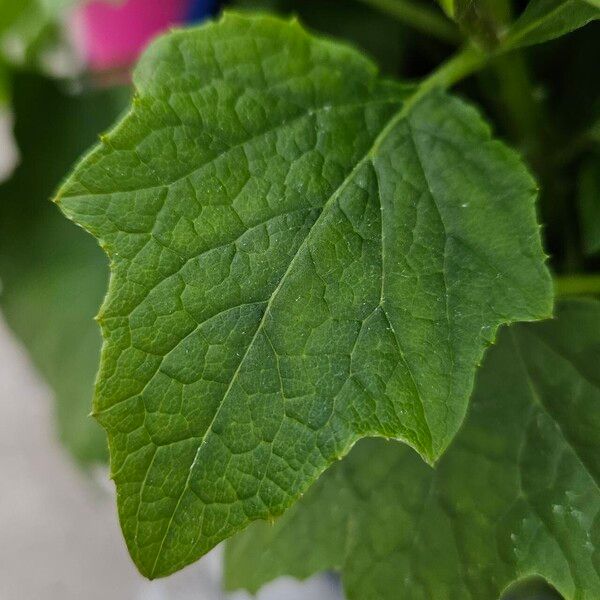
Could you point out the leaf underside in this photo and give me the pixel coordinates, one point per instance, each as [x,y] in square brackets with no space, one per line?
[301,255]
[517,494]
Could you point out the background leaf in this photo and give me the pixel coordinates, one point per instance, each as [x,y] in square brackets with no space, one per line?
[382,38]
[28,28]
[544,20]
[517,493]
[260,171]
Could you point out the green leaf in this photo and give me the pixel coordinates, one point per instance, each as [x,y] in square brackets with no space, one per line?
[302,254]
[516,495]
[53,275]
[545,20]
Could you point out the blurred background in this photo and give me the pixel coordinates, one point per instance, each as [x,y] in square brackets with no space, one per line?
[64,78]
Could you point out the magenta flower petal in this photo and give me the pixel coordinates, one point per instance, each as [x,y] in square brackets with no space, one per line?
[112,35]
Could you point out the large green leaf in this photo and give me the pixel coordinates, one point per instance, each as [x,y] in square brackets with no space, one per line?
[302,254]
[29,29]
[544,20]
[517,494]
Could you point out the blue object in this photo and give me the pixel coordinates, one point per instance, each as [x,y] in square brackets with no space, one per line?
[201,9]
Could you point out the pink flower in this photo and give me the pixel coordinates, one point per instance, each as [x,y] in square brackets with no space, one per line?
[111,35]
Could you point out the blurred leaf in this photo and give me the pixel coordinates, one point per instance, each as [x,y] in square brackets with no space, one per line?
[11,11]
[285,239]
[30,30]
[517,494]
[544,20]
[53,275]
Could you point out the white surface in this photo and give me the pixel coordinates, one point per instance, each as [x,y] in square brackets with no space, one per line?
[59,536]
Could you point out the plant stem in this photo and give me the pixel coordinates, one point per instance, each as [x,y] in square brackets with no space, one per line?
[465,62]
[577,285]
[418,16]
[460,65]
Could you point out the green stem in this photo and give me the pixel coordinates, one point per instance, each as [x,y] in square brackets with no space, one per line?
[577,285]
[418,16]
[460,65]
[465,62]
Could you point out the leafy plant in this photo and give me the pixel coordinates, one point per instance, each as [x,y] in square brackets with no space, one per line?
[304,253]
[312,268]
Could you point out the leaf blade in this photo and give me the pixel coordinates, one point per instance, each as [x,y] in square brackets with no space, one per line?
[250,338]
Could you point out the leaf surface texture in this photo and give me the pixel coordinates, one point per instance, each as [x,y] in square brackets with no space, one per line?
[302,254]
